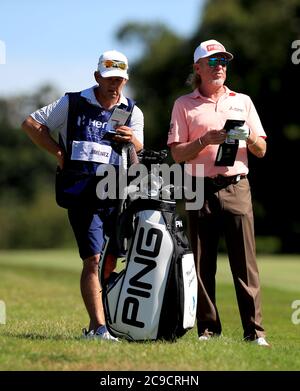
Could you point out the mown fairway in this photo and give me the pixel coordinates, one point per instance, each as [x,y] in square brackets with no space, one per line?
[45,315]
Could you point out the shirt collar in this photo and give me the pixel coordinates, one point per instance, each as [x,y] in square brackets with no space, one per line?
[89,95]
[196,94]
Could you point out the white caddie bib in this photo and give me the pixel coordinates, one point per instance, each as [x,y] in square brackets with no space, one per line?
[90,151]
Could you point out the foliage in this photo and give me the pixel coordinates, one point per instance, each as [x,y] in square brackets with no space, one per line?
[29,216]
[260,34]
[155,77]
[38,223]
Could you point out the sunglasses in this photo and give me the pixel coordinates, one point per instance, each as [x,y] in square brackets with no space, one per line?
[114,64]
[214,61]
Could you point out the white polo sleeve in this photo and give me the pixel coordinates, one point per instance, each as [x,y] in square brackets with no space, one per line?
[55,115]
[137,124]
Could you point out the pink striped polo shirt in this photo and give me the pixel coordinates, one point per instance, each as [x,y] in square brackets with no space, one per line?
[194,114]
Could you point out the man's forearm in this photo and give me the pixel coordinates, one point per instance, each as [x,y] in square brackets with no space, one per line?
[182,152]
[40,136]
[257,146]
[137,144]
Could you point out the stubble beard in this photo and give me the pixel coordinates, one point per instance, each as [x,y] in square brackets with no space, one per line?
[218,82]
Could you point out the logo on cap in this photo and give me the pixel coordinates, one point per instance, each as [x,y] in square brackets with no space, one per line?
[214,47]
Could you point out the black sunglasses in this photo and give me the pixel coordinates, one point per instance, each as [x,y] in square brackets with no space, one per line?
[214,61]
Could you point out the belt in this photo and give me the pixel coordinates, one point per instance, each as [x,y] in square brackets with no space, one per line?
[221,181]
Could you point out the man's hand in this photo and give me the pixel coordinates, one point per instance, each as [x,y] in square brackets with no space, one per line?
[239,133]
[213,137]
[124,134]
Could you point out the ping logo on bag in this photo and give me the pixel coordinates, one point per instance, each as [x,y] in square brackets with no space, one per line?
[138,288]
[154,296]
[178,224]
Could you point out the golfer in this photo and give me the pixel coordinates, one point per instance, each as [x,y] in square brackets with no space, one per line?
[195,136]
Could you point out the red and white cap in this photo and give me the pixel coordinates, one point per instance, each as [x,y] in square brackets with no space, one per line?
[210,47]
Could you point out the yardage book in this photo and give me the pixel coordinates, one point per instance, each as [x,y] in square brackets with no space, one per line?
[227,151]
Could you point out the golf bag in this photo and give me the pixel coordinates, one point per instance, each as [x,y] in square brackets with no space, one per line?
[155,295]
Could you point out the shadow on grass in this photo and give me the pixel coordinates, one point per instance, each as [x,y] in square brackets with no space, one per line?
[42,337]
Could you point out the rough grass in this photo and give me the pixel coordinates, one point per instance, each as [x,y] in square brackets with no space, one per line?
[45,315]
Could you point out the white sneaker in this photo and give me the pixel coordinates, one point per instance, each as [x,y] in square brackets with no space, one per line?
[88,334]
[101,333]
[206,335]
[261,341]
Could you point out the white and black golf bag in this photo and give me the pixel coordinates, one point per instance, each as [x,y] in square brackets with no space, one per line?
[155,295]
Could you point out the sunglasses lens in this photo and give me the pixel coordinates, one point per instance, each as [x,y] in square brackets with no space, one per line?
[223,62]
[108,63]
[214,61]
[114,64]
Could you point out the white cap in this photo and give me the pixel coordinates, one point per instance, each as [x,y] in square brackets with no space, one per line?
[114,70]
[207,48]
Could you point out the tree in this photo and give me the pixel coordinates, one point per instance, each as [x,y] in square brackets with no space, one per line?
[155,76]
[261,34]
[24,169]
[29,216]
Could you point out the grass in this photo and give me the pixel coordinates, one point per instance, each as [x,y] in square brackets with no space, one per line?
[45,315]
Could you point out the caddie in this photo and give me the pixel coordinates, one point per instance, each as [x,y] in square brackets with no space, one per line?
[83,123]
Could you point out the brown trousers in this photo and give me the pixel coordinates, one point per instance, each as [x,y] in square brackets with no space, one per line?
[227,210]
